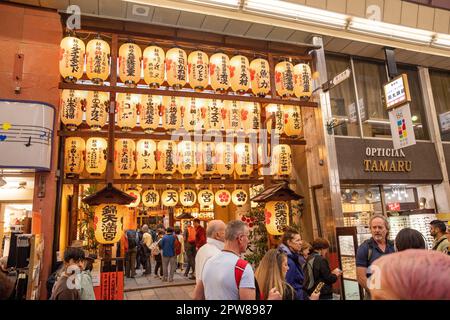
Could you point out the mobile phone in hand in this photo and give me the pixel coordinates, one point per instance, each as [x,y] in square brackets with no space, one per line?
[319,287]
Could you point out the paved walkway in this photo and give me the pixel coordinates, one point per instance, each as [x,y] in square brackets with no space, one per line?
[168,293]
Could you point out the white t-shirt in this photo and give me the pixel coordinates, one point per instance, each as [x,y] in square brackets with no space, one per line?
[218,277]
[210,249]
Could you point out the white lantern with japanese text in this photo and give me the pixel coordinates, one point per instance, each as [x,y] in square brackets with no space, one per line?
[224,155]
[97,60]
[187,162]
[149,114]
[145,157]
[108,222]
[150,198]
[206,199]
[206,158]
[127,106]
[204,110]
[251,117]
[215,121]
[277,111]
[124,163]
[72,108]
[71,59]
[281,160]
[219,70]
[166,157]
[169,198]
[260,77]
[130,64]
[239,74]
[188,197]
[284,79]
[277,217]
[96,155]
[233,112]
[239,197]
[302,81]
[223,197]
[292,121]
[264,159]
[135,194]
[74,155]
[190,113]
[171,112]
[153,64]
[176,68]
[244,159]
[198,67]
[97,104]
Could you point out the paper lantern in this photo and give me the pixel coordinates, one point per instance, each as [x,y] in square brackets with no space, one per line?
[263,160]
[187,162]
[239,197]
[224,155]
[130,64]
[169,198]
[150,198]
[215,120]
[73,154]
[188,197]
[277,217]
[176,68]
[71,59]
[251,117]
[233,112]
[206,199]
[204,110]
[284,79]
[219,71]
[198,67]
[72,108]
[149,115]
[166,157]
[239,74]
[292,121]
[171,112]
[277,110]
[124,163]
[260,77]
[127,106]
[206,158]
[281,160]
[223,197]
[153,64]
[191,114]
[145,157]
[96,156]
[108,223]
[134,193]
[97,104]
[302,81]
[97,60]
[244,159]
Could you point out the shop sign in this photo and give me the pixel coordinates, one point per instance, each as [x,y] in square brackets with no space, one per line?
[396,92]
[393,206]
[376,165]
[402,127]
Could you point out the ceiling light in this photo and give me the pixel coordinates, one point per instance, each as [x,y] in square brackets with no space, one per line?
[442,40]
[219,3]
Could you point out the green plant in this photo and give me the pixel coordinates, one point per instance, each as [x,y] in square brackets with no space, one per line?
[85,226]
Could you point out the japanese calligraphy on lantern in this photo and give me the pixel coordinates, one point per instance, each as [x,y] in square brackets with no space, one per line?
[234,123]
[188,197]
[71,59]
[145,156]
[244,159]
[292,121]
[277,217]
[72,108]
[150,109]
[124,163]
[207,162]
[260,77]
[74,149]
[127,105]
[97,60]
[169,198]
[198,69]
[215,119]
[224,154]
[166,157]
[171,112]
[96,155]
[108,223]
[219,70]
[130,64]
[206,200]
[302,81]
[240,74]
[190,113]
[251,117]
[187,162]
[281,160]
[96,109]
[284,78]
[176,68]
[153,64]
[277,111]
[150,198]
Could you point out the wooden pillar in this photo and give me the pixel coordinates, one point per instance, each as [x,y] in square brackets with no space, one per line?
[73,220]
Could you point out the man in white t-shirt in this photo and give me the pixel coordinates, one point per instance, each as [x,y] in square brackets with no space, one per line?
[218,276]
[215,234]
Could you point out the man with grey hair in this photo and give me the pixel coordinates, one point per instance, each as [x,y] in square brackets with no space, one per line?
[145,247]
[215,237]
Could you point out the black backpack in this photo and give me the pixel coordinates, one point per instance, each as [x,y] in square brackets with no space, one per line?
[308,271]
[132,239]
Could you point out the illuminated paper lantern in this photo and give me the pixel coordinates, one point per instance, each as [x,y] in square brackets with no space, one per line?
[277,217]
[166,157]
[239,197]
[96,155]
[224,155]
[187,162]
[171,112]
[302,81]
[223,197]
[134,193]
[219,71]
[277,110]
[260,77]
[188,197]
[244,159]
[149,115]
[206,199]
[233,112]
[292,121]
[124,163]
[215,120]
[97,60]
[108,222]
[263,160]
[97,104]
[153,64]
[176,68]
[198,68]
[73,154]
[281,160]
[251,117]
[127,106]
[239,74]
[169,198]
[145,157]
[130,64]
[284,79]
[206,158]
[204,110]
[71,59]
[190,113]
[72,108]
[150,198]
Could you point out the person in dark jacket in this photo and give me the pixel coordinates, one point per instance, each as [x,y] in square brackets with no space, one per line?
[321,269]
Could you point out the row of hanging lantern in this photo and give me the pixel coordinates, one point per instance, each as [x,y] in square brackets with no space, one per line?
[178,69]
[167,157]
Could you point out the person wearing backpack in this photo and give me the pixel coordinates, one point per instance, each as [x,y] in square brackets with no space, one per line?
[169,247]
[132,241]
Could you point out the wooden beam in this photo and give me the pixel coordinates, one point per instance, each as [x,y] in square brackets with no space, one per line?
[164,181]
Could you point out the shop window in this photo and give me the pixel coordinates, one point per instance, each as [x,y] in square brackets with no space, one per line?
[342,97]
[440,82]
